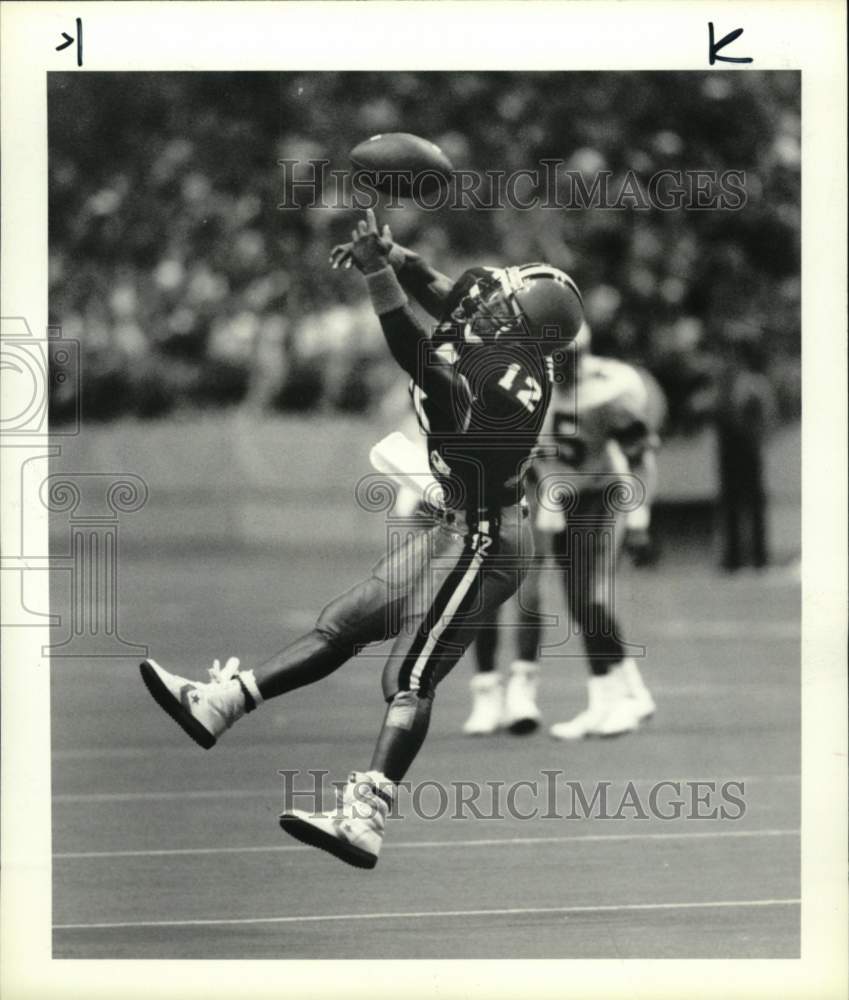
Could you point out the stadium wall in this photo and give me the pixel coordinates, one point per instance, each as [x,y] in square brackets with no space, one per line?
[227,479]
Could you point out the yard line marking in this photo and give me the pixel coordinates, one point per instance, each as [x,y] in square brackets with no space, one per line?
[211,793]
[92,798]
[424,914]
[436,844]
[728,629]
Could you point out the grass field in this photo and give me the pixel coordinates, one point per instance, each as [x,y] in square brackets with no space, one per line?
[162,850]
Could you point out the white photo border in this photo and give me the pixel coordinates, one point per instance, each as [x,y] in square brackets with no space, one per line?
[633,35]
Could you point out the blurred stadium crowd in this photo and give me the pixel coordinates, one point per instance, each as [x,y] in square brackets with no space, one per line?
[187,286]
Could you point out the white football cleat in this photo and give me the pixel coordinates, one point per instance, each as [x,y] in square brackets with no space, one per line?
[487,705]
[354,831]
[521,714]
[203,710]
[636,688]
[622,717]
[610,712]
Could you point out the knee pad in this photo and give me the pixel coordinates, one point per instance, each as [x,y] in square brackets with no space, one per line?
[406,708]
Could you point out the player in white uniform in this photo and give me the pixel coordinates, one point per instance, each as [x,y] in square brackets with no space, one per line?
[601,432]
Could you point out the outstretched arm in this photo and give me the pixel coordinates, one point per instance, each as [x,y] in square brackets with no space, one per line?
[407,339]
[429,287]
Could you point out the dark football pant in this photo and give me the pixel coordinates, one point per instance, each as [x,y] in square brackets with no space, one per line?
[585,555]
[431,594]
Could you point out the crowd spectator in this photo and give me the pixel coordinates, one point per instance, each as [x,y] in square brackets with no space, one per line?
[187,286]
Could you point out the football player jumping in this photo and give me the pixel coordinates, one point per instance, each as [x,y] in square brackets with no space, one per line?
[603,421]
[482,385]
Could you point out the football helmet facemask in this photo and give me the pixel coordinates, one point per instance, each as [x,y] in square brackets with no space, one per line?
[532,301]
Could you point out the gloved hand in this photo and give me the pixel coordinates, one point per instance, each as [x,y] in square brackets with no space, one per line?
[368,250]
[397,257]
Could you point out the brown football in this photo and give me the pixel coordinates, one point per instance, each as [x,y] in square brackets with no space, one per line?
[403,164]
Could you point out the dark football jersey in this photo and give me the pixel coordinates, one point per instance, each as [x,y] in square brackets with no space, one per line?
[478,447]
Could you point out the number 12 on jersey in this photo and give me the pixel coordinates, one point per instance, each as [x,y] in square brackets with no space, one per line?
[528,394]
